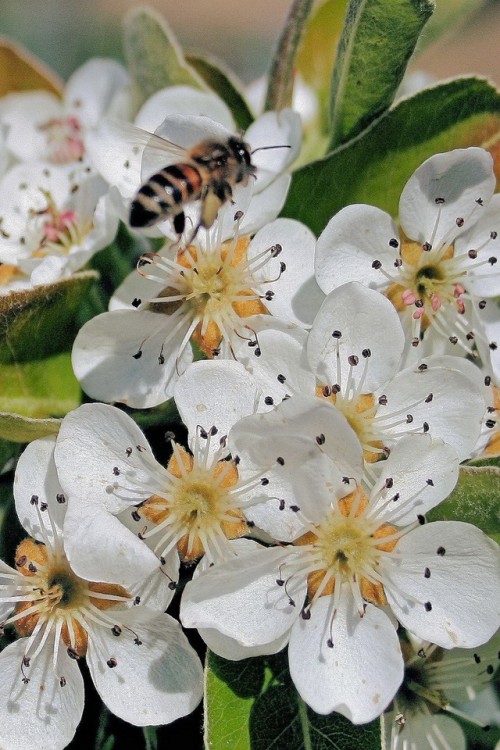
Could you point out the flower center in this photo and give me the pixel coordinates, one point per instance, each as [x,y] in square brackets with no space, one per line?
[217,286]
[64,139]
[347,547]
[57,231]
[197,513]
[54,595]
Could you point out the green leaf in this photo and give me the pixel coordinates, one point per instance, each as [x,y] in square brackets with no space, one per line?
[154,56]
[150,738]
[39,322]
[21,429]
[374,167]
[475,499]
[378,39]
[224,83]
[253,705]
[42,388]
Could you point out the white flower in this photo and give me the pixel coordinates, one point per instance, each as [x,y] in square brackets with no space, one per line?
[52,219]
[352,556]
[352,359]
[434,680]
[206,295]
[203,498]
[42,127]
[140,661]
[127,156]
[441,267]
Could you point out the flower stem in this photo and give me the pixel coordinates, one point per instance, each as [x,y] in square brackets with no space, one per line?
[279,92]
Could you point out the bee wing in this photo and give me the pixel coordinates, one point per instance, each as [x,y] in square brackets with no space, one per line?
[126,155]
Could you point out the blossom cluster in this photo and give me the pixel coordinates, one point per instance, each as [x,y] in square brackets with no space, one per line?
[330,387]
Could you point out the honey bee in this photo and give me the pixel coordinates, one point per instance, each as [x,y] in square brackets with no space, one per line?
[208,172]
[174,176]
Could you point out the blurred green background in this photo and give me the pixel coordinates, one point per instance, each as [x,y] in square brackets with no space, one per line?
[64,33]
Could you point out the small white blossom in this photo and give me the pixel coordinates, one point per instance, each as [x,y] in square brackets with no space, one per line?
[442,267]
[357,549]
[140,661]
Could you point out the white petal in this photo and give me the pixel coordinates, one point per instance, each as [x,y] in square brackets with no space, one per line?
[103,357]
[274,129]
[97,443]
[91,89]
[484,236]
[214,393]
[359,676]
[241,599]
[36,474]
[279,364]
[39,715]
[230,649]
[23,113]
[407,394]
[152,683]
[367,321]
[350,243]
[461,178]
[100,548]
[423,472]
[462,587]
[183,100]
[296,293]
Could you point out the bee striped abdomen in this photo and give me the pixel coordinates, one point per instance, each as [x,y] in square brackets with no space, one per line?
[164,195]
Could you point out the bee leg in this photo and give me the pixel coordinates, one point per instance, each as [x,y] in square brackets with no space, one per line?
[179,222]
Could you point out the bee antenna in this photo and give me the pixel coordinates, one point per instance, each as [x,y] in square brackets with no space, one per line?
[266,148]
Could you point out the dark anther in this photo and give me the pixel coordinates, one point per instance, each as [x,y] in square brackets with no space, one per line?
[264,481]
[269,401]
[306,614]
[409,419]
[21,561]
[487,380]
[62,681]
[136,516]
[137,601]
[493,235]
[335,388]
[453,340]
[479,201]
[441,551]
[280,582]
[294,508]
[421,519]
[427,247]
[482,304]
[382,400]
[472,254]
[282,504]
[34,499]
[112,662]
[490,423]
[172,585]
[136,302]
[427,573]
[425,427]
[329,643]
[353,360]
[116,630]
[336,334]
[128,452]
[493,346]
[320,439]
[430,482]
[116,471]
[429,398]
[376,265]
[389,482]
[393,242]
[280,378]
[459,221]
[280,460]
[32,568]
[60,498]
[477,658]
[366,353]
[428,606]
[439,201]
